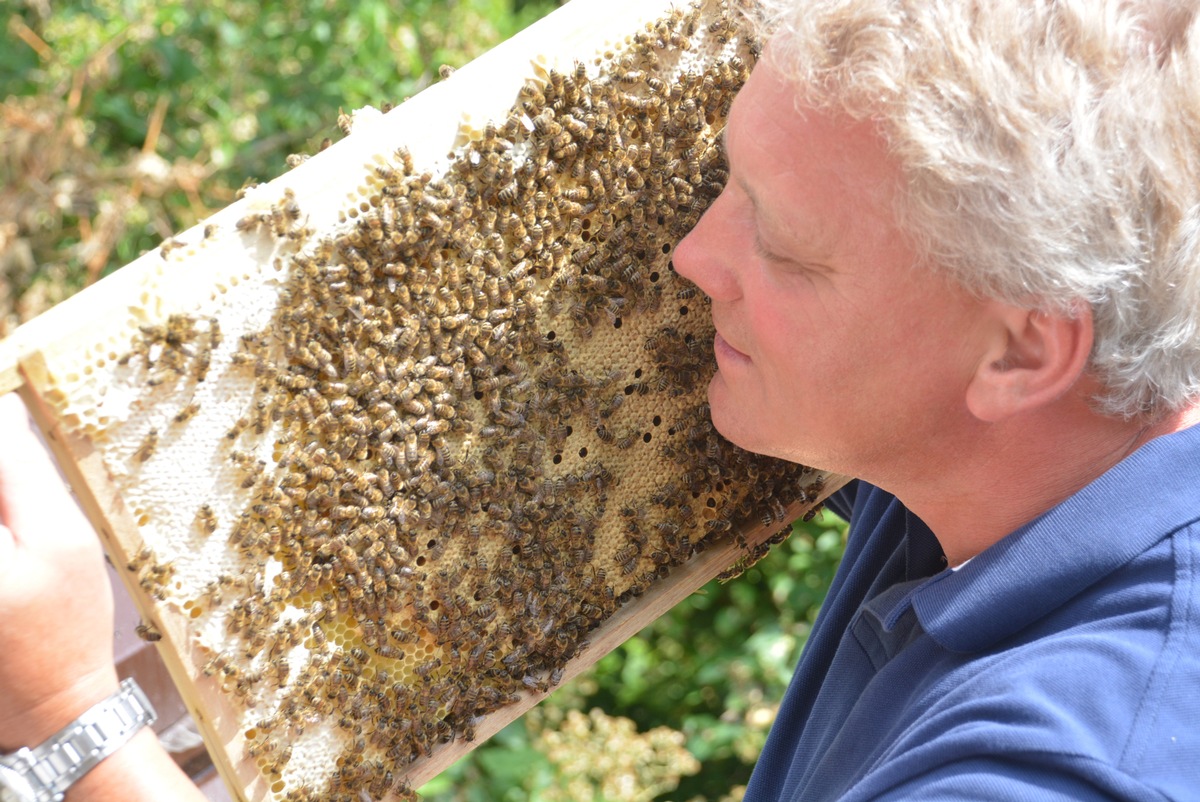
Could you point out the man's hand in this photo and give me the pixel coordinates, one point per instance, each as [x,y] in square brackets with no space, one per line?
[56,609]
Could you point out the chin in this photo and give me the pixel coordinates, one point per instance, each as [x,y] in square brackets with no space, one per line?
[734,422]
[758,433]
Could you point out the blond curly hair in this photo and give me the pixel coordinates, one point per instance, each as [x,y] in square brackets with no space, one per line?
[1051,155]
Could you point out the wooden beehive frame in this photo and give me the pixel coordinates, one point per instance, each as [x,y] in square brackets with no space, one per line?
[429,124]
[210,708]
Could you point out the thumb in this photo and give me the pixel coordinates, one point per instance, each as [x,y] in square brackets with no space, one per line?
[8,545]
[30,483]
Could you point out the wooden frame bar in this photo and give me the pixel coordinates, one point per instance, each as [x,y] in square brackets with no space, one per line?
[34,359]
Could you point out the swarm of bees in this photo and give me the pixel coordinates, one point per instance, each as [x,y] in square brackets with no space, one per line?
[483,394]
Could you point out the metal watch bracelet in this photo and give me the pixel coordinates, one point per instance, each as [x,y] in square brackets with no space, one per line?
[45,772]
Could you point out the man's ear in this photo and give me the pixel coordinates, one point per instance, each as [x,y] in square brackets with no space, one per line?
[1032,359]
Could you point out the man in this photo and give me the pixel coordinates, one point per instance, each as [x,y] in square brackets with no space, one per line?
[956,258]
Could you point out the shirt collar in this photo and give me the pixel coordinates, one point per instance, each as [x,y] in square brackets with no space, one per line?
[1048,561]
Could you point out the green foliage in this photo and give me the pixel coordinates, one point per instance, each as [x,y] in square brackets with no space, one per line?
[172,105]
[247,82]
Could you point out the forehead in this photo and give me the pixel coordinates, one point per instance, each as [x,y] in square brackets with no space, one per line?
[808,171]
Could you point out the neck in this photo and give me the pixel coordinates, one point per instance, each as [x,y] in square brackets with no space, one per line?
[984,483]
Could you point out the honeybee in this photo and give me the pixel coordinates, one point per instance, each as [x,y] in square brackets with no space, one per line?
[188,412]
[148,632]
[218,663]
[207,519]
[240,426]
[627,558]
[149,444]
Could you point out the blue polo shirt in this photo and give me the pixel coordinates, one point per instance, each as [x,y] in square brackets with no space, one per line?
[1062,663]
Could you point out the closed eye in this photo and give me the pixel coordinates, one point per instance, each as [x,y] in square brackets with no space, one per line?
[788,264]
[761,250]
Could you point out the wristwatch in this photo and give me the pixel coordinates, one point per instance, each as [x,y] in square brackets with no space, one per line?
[44,773]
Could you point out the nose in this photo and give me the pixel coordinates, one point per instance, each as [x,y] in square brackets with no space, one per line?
[708,254]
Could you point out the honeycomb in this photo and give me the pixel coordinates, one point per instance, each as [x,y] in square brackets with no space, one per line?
[393,474]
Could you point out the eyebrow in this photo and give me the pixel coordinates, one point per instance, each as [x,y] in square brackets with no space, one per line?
[793,233]
[723,141]
[759,211]
[749,194]
[762,213]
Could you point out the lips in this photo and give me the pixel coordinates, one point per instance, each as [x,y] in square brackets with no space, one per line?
[726,352]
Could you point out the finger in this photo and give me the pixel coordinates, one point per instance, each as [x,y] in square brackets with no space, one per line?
[12,408]
[7,545]
[31,488]
[14,427]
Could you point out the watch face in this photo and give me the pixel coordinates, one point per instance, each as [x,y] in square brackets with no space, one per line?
[14,787]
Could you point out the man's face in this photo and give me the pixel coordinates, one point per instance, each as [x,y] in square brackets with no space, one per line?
[833,348]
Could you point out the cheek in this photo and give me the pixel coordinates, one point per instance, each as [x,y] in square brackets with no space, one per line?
[828,362]
[796,355]
[795,324]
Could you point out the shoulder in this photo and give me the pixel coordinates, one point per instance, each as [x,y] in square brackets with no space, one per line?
[1102,691]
